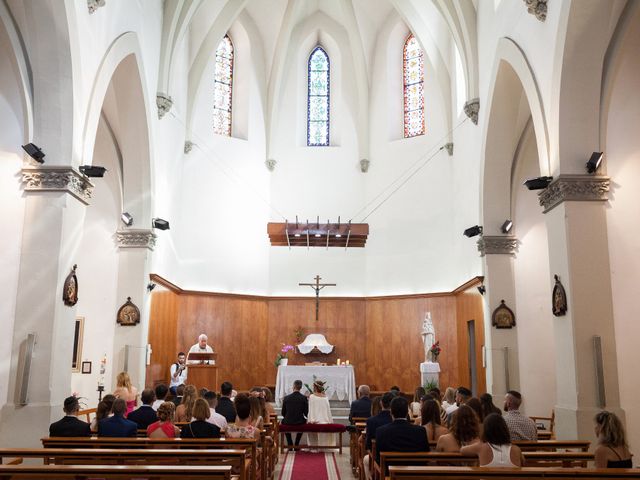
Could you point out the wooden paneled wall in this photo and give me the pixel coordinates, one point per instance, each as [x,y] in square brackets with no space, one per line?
[380,336]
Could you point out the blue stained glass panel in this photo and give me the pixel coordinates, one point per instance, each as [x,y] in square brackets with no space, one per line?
[318,98]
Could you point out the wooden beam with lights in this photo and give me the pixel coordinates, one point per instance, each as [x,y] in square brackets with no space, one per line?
[326,235]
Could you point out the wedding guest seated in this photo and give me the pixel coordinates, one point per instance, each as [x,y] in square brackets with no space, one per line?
[486,400]
[414,407]
[177,399]
[103,411]
[126,391]
[225,405]
[495,450]
[431,420]
[145,415]
[400,435]
[463,394]
[117,425]
[184,411]
[164,427]
[199,427]
[215,418]
[70,425]
[268,398]
[161,395]
[449,398]
[361,408]
[257,411]
[373,423]
[464,431]
[242,427]
[520,426]
[611,450]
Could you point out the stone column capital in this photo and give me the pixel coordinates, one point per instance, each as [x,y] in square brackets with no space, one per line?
[497,245]
[537,8]
[471,109]
[581,188]
[164,103]
[94,5]
[57,179]
[136,238]
[449,148]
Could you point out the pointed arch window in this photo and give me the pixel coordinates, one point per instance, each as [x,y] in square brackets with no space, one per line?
[223,87]
[413,73]
[318,98]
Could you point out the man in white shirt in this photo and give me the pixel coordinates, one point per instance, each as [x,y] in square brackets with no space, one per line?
[215,418]
[178,373]
[200,347]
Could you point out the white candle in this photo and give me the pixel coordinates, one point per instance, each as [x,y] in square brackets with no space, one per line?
[338,362]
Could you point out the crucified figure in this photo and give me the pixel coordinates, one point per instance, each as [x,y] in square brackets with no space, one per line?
[317,287]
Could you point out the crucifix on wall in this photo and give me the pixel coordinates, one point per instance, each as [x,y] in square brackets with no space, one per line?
[317,287]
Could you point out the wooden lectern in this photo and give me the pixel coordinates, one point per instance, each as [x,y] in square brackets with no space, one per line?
[203,374]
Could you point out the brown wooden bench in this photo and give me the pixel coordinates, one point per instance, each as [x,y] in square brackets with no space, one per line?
[553,445]
[249,445]
[122,472]
[484,473]
[112,456]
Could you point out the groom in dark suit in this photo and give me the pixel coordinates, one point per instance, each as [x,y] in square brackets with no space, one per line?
[400,435]
[295,408]
[70,425]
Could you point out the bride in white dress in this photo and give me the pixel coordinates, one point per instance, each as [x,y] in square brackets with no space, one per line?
[319,412]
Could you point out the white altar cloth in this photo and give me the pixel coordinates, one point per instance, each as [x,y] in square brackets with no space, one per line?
[341,380]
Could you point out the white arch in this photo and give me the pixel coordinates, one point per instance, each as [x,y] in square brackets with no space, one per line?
[511,71]
[139,185]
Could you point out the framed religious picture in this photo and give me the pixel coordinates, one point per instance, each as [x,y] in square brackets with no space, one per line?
[559,299]
[128,314]
[503,317]
[77,344]
[70,288]
[86,367]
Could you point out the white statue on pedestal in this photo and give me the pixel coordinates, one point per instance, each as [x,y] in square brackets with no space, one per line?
[428,335]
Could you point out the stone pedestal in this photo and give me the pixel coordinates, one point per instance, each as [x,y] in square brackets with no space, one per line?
[429,372]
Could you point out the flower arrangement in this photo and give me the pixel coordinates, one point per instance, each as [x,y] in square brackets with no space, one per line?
[435,351]
[284,350]
[299,333]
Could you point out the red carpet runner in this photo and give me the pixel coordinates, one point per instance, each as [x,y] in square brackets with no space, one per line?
[309,466]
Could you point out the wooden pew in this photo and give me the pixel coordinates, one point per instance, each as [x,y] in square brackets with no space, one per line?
[87,414]
[356,446]
[249,445]
[94,456]
[484,473]
[128,472]
[553,445]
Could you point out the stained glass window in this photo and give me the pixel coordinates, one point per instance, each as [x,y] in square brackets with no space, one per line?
[318,99]
[222,87]
[413,72]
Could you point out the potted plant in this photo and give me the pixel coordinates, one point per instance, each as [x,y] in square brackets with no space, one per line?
[281,358]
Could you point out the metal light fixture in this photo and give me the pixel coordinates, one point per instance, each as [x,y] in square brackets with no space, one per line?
[126,218]
[92,171]
[34,152]
[594,162]
[473,231]
[160,224]
[506,226]
[538,183]
[482,289]
[150,286]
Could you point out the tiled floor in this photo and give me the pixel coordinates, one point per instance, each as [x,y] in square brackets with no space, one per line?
[342,461]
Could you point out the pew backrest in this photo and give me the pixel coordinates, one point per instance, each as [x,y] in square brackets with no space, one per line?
[157,472]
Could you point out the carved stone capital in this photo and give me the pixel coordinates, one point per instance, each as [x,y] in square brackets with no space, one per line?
[136,238]
[581,188]
[270,164]
[57,179]
[497,245]
[94,5]
[449,148]
[164,103]
[471,109]
[537,8]
[188,146]
[364,165]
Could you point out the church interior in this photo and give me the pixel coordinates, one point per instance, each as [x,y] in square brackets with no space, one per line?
[172,168]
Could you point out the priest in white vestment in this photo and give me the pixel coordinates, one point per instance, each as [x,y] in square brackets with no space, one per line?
[200,347]
[319,412]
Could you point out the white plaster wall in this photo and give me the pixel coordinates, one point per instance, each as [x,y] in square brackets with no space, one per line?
[11,206]
[622,163]
[98,271]
[536,345]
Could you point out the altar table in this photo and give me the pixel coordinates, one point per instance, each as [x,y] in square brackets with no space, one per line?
[341,380]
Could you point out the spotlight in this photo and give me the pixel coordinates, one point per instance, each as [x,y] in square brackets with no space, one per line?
[482,289]
[126,218]
[317,235]
[34,152]
[338,235]
[594,162]
[92,171]
[539,183]
[150,286]
[296,235]
[506,226]
[473,231]
[160,224]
